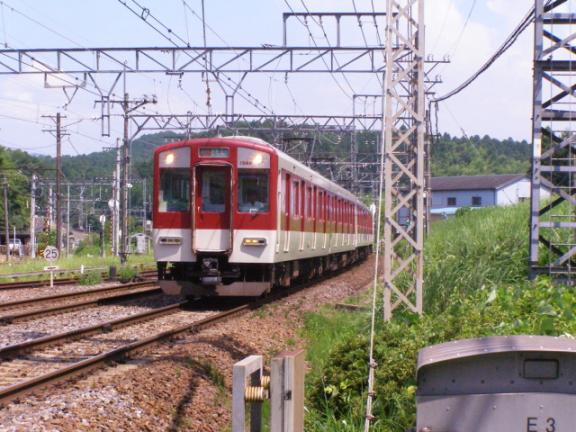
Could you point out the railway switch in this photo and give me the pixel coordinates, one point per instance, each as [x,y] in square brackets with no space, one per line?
[498,384]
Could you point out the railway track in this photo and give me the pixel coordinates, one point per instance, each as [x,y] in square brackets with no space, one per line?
[33,364]
[41,306]
[60,281]
[30,365]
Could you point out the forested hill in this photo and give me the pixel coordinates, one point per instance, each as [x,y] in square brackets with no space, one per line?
[473,155]
[450,156]
[476,155]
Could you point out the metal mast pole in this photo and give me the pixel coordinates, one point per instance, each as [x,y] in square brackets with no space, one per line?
[33,217]
[552,224]
[404,181]
[58,183]
[6,226]
[124,184]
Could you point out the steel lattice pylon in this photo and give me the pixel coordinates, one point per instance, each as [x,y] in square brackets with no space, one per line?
[404,134]
[553,221]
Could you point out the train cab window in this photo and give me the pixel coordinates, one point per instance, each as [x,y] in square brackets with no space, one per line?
[213,192]
[253,192]
[174,191]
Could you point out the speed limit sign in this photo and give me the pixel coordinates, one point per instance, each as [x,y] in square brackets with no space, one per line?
[50,253]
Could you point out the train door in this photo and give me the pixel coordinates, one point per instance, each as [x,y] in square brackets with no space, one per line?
[287,191]
[212,209]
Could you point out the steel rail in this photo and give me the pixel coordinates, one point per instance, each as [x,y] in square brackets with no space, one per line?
[12,351]
[16,390]
[83,293]
[60,281]
[34,313]
[120,353]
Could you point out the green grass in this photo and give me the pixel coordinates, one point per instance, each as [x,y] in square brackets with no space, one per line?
[72,262]
[484,249]
[91,278]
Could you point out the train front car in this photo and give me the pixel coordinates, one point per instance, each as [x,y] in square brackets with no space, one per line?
[214,229]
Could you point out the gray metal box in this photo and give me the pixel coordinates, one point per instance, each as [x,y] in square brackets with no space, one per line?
[498,384]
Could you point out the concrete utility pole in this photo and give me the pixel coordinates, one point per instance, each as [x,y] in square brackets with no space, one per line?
[50,207]
[33,217]
[6,226]
[125,163]
[58,134]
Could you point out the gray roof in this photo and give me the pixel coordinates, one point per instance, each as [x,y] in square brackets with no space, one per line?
[493,344]
[491,182]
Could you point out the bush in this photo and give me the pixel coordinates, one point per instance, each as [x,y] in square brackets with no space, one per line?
[531,308]
[127,274]
[90,278]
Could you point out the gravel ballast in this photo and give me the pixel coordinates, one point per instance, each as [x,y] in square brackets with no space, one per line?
[184,384]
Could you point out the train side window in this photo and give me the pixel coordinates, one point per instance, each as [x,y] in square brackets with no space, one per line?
[309,202]
[294,199]
[174,191]
[253,195]
[302,198]
[306,203]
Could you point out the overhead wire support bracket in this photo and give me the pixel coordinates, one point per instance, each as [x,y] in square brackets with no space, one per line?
[117,60]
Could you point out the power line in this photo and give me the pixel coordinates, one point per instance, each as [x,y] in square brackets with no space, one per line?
[305,24]
[29,18]
[510,40]
[145,14]
[364,35]
[466,21]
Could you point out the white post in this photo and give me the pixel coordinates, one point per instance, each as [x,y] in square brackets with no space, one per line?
[51,278]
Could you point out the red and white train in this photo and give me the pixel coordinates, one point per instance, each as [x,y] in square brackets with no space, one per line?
[235,217]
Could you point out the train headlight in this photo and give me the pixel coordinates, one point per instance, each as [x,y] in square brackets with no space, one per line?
[169,159]
[257,160]
[249,241]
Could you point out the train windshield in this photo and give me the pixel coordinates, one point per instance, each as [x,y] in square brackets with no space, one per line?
[213,184]
[253,192]
[174,192]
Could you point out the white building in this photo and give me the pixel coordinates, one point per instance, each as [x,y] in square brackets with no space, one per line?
[451,193]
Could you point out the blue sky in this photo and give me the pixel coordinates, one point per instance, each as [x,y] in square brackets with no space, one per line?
[498,104]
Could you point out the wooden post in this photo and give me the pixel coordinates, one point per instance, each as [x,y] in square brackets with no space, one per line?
[249,368]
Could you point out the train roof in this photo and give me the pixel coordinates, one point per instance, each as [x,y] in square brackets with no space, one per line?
[260,142]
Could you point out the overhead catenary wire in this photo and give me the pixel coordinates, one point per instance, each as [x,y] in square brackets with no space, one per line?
[510,40]
[464,26]
[364,34]
[313,39]
[145,14]
[3,26]
[35,21]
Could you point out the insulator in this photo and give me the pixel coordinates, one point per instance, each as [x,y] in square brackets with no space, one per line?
[255,394]
[265,381]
